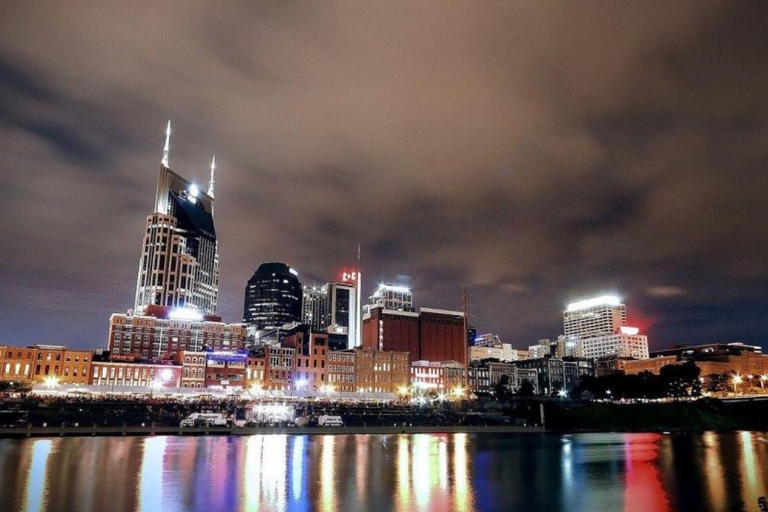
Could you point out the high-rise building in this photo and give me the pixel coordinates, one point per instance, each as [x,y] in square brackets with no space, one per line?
[344,313]
[624,343]
[594,317]
[393,297]
[597,328]
[273,297]
[315,307]
[179,264]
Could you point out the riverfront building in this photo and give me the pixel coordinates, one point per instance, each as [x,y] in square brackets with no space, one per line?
[440,377]
[36,363]
[135,374]
[712,359]
[556,375]
[485,375]
[163,332]
[431,334]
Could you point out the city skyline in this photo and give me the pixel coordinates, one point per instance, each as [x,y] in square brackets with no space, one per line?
[530,191]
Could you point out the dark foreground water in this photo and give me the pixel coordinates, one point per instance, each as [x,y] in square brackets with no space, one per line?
[592,472]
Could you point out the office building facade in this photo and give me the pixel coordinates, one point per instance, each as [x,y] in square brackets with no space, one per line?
[393,297]
[315,307]
[179,263]
[273,297]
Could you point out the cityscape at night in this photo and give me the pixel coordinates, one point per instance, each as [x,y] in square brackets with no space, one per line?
[400,256]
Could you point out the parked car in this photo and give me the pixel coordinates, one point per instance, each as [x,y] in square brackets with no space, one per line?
[204,419]
[330,421]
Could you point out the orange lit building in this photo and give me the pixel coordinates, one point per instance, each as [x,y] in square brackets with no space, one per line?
[440,377]
[279,367]
[36,363]
[714,358]
[310,359]
[340,368]
[653,365]
[192,368]
[17,363]
[76,368]
[255,370]
[378,371]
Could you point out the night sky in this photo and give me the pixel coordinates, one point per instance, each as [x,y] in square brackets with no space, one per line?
[535,152]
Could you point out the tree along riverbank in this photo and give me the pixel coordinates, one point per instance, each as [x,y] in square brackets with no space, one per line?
[698,415]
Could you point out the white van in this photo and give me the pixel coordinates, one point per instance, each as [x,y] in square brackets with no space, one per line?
[204,419]
[330,421]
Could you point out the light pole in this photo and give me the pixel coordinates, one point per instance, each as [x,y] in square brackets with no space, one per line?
[736,381]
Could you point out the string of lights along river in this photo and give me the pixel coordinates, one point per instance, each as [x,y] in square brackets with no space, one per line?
[590,472]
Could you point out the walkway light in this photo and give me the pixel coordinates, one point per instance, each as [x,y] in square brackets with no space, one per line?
[736,381]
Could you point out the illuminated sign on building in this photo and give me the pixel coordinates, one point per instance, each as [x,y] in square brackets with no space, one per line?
[349,277]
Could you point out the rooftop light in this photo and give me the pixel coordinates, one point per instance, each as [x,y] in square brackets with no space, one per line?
[185,314]
[603,300]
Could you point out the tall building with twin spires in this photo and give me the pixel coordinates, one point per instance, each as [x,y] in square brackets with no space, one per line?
[179,264]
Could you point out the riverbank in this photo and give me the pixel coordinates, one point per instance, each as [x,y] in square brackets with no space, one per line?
[153,430]
[684,416]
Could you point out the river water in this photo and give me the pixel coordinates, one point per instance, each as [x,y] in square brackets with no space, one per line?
[525,472]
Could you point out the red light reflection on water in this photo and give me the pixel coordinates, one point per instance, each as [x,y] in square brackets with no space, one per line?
[644,490]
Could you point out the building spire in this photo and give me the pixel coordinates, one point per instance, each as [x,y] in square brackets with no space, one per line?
[167,147]
[213,170]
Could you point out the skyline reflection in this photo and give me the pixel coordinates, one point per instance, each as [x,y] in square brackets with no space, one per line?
[459,472]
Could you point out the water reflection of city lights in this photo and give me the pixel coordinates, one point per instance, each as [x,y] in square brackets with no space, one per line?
[273,479]
[327,465]
[566,466]
[151,475]
[462,495]
[442,464]
[421,469]
[403,474]
[361,466]
[714,470]
[297,467]
[37,477]
[751,472]
[252,472]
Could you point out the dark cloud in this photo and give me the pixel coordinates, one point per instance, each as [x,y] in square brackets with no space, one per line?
[534,152]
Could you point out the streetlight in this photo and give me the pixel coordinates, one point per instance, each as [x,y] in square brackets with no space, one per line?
[562,393]
[736,381]
[51,382]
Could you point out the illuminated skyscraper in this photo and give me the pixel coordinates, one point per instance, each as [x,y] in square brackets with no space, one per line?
[179,265]
[594,317]
[597,328]
[273,297]
[343,300]
[396,298]
[315,307]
